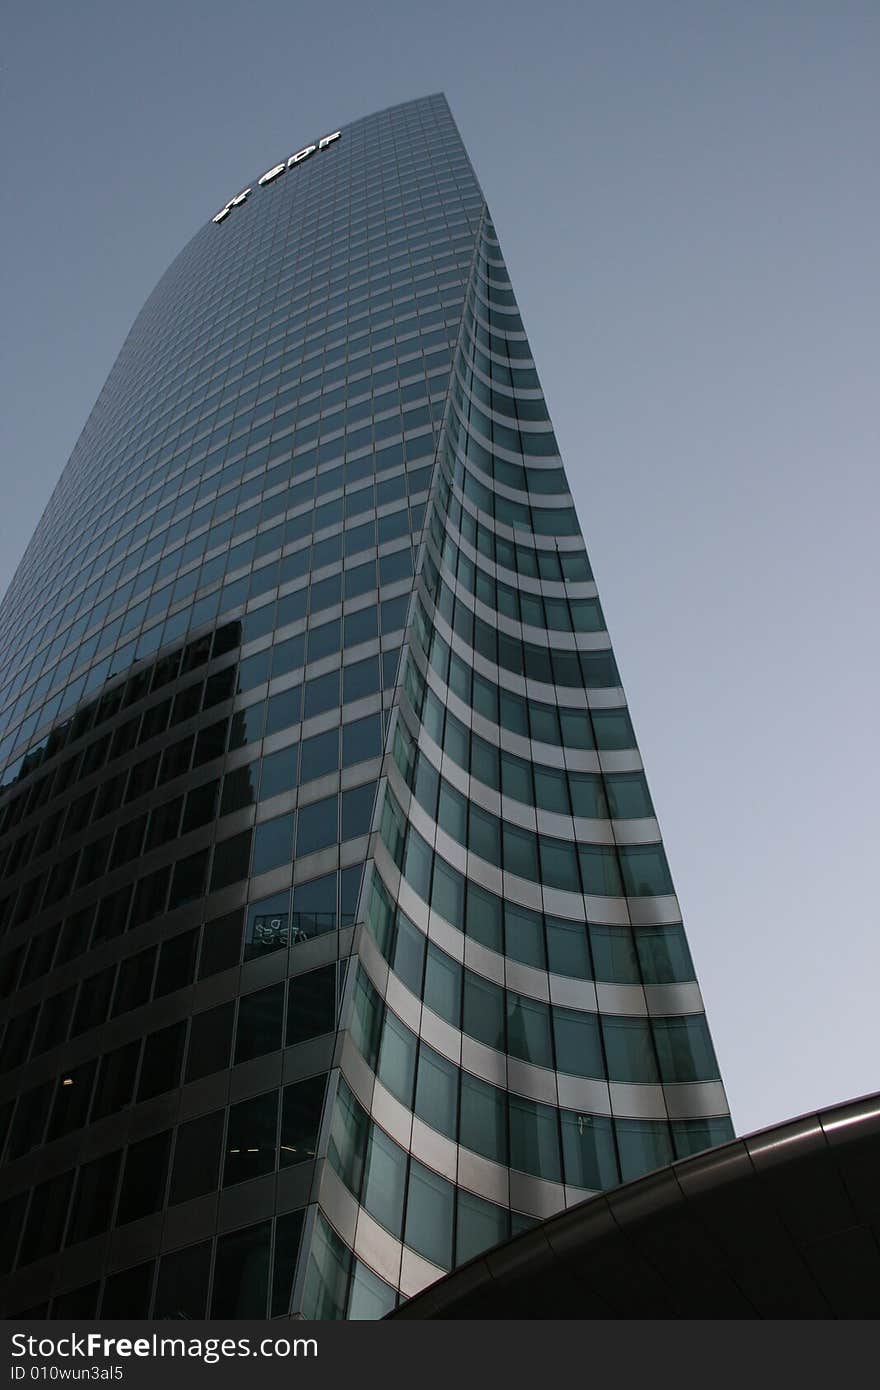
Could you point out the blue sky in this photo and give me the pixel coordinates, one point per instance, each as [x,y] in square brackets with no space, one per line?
[687,198]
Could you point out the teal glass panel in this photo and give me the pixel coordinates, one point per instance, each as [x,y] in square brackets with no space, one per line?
[430,1215]
[588,1151]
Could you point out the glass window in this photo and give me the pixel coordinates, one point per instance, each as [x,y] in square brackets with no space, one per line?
[182,1286]
[483,921]
[588,1151]
[628,795]
[188,879]
[614,955]
[238,788]
[115,1082]
[93,1200]
[92,1005]
[259,1023]
[479,1226]
[360,579]
[75,1304]
[327,1275]
[319,755]
[177,963]
[241,1273]
[361,739]
[366,1023]
[516,778]
[483,1118]
[427,779]
[301,1119]
[288,1232]
[268,925]
[273,841]
[524,935]
[385,1180]
[484,762]
[134,982]
[196,1168]
[645,870]
[314,907]
[643,1145]
[279,772]
[317,826]
[629,1049]
[520,851]
[143,1181]
[664,955]
[534,1138]
[613,729]
[409,954]
[397,1058]
[321,694]
[360,627]
[210,1039]
[48,1213]
[600,873]
[587,796]
[684,1049]
[211,741]
[231,860]
[163,1054]
[567,949]
[251,1140]
[443,985]
[528,1030]
[349,892]
[311,1005]
[578,1044]
[437,1092]
[370,1297]
[324,640]
[452,813]
[282,711]
[200,807]
[430,1215]
[288,656]
[254,670]
[348,1139]
[127,1295]
[357,810]
[559,864]
[447,895]
[551,790]
[221,944]
[485,835]
[692,1136]
[360,679]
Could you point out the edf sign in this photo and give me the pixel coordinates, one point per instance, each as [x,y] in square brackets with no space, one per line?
[277,170]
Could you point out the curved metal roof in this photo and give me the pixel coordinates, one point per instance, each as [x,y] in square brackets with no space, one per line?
[782,1224]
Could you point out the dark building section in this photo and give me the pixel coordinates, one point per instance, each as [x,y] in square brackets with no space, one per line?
[337,939]
[783,1224]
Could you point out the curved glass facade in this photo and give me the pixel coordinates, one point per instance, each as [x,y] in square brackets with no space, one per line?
[338,938]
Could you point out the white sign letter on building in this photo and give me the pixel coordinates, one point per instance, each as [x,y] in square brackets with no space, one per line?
[271,174]
[277,170]
[301,155]
[233,203]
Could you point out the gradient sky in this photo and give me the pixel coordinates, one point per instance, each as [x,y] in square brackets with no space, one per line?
[687,198]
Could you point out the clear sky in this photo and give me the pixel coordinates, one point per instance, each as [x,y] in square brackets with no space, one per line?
[686,192]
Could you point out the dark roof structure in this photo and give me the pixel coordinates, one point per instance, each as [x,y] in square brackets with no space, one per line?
[782,1224]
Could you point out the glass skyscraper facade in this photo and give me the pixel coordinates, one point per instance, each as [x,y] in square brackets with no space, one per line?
[338,939]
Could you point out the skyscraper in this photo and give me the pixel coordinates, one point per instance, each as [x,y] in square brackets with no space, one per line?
[338,939]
